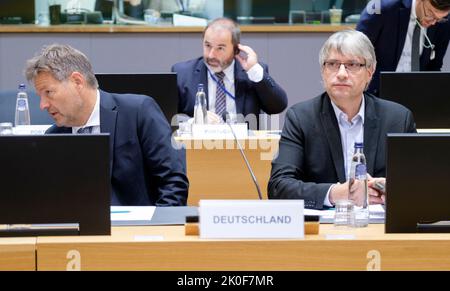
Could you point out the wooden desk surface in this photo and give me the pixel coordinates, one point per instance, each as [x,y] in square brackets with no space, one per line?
[168,248]
[17,254]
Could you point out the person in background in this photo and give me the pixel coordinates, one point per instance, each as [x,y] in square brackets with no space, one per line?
[317,140]
[408,35]
[235,81]
[145,168]
[136,8]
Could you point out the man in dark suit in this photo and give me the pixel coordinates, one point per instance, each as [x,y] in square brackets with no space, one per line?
[234,80]
[393,25]
[317,140]
[145,168]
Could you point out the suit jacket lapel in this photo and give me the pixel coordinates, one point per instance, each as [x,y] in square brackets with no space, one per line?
[108,116]
[371,133]
[201,75]
[240,79]
[332,133]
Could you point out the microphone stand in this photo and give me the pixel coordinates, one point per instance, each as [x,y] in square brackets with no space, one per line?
[245,158]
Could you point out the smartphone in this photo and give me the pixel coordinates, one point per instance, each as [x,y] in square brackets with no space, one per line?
[379,186]
[242,54]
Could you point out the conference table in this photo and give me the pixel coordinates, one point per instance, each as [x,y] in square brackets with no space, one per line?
[168,248]
[18,254]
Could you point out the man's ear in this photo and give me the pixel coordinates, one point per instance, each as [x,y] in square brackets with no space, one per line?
[78,79]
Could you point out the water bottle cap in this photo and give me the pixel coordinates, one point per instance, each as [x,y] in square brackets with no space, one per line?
[22,87]
[200,86]
[359,145]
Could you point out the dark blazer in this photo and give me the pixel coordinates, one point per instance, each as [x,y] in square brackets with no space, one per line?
[387,32]
[251,97]
[145,168]
[310,156]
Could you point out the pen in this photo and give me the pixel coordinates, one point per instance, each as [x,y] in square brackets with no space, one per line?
[120,211]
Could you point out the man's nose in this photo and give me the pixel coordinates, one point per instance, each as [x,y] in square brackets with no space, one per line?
[212,53]
[43,104]
[342,72]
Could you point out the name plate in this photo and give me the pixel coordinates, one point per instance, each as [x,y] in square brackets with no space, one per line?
[251,219]
[219,131]
[30,129]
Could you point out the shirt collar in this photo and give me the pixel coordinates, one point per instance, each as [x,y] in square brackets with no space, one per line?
[340,115]
[413,16]
[94,119]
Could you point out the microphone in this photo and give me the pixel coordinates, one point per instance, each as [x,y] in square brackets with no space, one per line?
[224,116]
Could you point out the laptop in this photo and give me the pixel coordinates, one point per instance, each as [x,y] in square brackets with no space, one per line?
[418,192]
[160,86]
[55,185]
[424,93]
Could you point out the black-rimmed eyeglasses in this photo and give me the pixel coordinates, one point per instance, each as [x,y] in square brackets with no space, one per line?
[334,66]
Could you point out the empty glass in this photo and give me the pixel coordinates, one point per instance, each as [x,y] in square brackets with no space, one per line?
[6,128]
[344,212]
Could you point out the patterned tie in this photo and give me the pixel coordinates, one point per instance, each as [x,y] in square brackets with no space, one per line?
[85,130]
[415,49]
[221,104]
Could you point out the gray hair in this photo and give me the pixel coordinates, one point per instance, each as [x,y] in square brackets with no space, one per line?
[227,24]
[60,61]
[349,42]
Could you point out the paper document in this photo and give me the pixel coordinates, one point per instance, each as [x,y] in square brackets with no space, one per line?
[132,213]
[183,20]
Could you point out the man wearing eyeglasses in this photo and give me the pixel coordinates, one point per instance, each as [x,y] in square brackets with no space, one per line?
[406,39]
[318,137]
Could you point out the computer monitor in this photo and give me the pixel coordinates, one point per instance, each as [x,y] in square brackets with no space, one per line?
[257,11]
[418,192]
[16,11]
[55,184]
[160,86]
[352,7]
[424,93]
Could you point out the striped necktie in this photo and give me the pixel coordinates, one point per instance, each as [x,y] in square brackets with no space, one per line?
[221,104]
[85,130]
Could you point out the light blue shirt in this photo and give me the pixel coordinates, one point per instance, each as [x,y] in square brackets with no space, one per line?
[351,132]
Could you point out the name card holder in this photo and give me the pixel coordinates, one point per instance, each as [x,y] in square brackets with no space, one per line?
[219,131]
[262,219]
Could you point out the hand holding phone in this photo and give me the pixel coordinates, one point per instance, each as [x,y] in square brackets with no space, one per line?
[378,185]
[246,56]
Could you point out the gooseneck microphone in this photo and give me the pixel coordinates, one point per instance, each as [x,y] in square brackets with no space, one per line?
[224,116]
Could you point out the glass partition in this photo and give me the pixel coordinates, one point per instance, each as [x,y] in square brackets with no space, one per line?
[244,11]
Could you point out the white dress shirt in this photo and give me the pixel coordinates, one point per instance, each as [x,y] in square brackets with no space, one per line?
[94,119]
[404,64]
[351,132]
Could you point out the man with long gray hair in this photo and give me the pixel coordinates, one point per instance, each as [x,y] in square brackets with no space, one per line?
[146,169]
[317,140]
